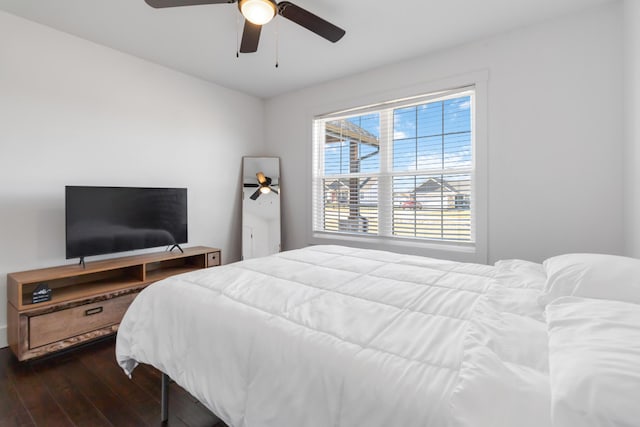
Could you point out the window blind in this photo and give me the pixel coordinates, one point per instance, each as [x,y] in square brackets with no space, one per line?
[402,169]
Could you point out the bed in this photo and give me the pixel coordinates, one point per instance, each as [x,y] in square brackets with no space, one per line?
[337,336]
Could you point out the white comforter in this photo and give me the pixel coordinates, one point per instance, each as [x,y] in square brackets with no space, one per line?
[336,336]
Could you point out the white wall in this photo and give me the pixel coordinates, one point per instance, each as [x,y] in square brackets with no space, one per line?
[554,133]
[73,112]
[632,127]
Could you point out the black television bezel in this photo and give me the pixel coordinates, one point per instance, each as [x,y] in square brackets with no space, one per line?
[66,223]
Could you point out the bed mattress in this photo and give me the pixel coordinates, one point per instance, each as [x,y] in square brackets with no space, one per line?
[337,336]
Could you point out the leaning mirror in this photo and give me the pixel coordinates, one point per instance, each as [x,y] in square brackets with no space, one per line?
[260,206]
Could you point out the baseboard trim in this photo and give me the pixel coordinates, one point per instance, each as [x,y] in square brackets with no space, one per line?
[3,337]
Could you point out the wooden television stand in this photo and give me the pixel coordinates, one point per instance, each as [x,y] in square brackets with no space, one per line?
[87,303]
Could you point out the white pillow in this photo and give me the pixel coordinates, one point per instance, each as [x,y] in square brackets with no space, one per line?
[592,276]
[594,362]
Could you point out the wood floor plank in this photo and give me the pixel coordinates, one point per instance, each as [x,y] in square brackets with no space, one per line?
[190,410]
[86,387]
[184,409]
[77,406]
[112,407]
[148,380]
[182,404]
[35,396]
[101,362]
[12,410]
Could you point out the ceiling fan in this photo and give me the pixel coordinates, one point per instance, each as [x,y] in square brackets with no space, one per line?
[264,186]
[259,12]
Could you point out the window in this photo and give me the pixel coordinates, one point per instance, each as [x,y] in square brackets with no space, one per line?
[399,170]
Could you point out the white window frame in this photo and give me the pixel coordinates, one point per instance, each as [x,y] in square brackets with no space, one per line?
[475,251]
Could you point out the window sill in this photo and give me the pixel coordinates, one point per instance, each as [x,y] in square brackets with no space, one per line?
[463,252]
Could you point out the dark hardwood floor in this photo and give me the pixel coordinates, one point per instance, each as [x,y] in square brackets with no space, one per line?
[86,387]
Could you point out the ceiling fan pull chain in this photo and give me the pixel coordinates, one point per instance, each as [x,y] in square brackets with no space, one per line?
[238,35]
[277,42]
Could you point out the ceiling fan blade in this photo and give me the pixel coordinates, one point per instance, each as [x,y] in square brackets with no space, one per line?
[274,190]
[310,21]
[255,195]
[175,3]
[251,185]
[250,37]
[261,178]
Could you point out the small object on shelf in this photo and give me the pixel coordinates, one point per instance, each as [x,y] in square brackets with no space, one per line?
[42,293]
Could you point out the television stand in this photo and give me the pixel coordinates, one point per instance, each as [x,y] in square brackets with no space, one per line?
[176,246]
[87,302]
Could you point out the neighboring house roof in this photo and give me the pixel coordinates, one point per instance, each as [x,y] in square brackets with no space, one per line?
[338,184]
[433,185]
[343,184]
[368,187]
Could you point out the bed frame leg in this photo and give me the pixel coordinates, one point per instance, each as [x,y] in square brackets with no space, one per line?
[164,404]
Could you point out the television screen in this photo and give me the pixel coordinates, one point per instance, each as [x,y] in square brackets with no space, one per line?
[102,220]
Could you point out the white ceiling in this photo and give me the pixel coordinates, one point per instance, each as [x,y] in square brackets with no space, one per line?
[201,40]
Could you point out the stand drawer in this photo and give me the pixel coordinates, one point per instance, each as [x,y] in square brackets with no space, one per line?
[213,259]
[59,325]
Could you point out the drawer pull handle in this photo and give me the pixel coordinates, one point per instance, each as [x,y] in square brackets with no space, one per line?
[93,311]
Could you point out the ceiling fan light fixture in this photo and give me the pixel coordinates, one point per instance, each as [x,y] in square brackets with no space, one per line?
[265,190]
[258,12]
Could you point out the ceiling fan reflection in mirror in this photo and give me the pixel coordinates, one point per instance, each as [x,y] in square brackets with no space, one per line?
[260,12]
[264,186]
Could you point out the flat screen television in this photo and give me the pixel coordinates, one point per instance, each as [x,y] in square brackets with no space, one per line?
[104,220]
